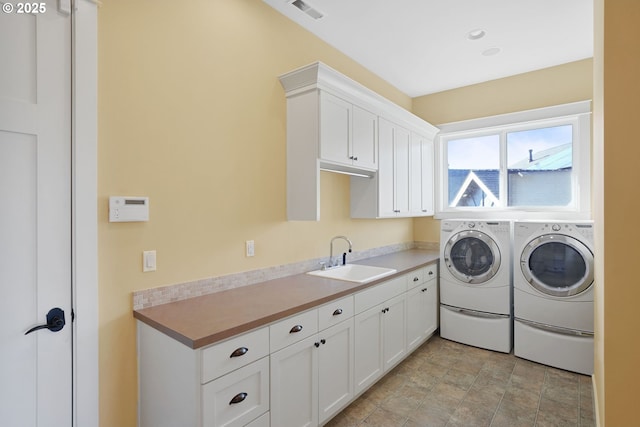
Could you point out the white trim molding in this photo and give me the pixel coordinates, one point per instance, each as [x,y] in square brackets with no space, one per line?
[84,213]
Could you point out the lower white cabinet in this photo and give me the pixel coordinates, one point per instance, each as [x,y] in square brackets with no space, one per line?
[294,384]
[312,379]
[380,340]
[422,313]
[299,371]
[335,369]
[422,305]
[226,384]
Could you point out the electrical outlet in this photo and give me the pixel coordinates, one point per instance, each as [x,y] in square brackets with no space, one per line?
[250,248]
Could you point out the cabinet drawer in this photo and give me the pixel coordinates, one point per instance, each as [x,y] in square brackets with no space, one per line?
[421,275]
[238,397]
[380,293]
[431,272]
[293,329]
[415,277]
[235,353]
[335,312]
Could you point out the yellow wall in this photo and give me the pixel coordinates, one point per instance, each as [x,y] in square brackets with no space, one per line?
[191,114]
[563,84]
[618,90]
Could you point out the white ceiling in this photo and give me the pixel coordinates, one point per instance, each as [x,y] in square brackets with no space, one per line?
[421,46]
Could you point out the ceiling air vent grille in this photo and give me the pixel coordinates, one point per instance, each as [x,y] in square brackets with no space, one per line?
[314,13]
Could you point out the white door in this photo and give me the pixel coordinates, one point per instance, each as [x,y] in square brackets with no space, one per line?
[35,223]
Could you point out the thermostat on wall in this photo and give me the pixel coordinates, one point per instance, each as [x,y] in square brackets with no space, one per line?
[128,209]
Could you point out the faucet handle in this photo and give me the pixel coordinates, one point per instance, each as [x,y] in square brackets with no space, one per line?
[323,265]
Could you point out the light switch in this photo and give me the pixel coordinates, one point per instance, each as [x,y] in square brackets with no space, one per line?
[148,261]
[250,248]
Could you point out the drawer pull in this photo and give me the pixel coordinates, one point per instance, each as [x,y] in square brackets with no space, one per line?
[295,329]
[239,352]
[338,312]
[415,279]
[238,398]
[430,273]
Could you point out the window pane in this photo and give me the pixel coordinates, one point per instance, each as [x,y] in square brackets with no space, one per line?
[540,162]
[474,171]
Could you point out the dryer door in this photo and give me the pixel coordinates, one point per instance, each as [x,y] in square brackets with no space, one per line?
[557,265]
[472,256]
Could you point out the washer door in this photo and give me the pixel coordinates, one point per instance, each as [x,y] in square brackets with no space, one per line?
[472,256]
[557,265]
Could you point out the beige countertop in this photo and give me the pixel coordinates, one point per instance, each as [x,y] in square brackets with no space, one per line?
[200,321]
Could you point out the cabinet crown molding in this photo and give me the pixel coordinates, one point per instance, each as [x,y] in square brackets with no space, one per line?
[319,76]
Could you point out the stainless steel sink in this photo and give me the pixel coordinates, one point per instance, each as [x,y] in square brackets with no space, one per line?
[357,273]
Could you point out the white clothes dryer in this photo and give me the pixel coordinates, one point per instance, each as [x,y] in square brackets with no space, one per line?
[553,285]
[475,283]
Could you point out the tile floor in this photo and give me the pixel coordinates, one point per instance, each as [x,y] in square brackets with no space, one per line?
[444,383]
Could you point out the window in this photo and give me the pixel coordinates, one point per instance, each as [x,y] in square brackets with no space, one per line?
[533,163]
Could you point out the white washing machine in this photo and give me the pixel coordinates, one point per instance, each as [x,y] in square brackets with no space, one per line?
[475,283]
[553,294]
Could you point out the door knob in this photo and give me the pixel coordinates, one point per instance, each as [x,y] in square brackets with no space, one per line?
[55,321]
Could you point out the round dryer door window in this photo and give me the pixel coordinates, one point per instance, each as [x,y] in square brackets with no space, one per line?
[472,256]
[557,265]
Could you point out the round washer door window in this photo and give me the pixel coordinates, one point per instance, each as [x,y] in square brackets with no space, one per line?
[557,265]
[472,256]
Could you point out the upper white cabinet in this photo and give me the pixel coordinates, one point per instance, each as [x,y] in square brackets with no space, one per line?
[393,177]
[347,134]
[403,186]
[333,125]
[421,170]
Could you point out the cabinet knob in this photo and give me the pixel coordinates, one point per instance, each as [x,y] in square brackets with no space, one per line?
[295,329]
[317,344]
[424,290]
[355,158]
[338,312]
[430,273]
[415,279]
[239,352]
[238,398]
[323,341]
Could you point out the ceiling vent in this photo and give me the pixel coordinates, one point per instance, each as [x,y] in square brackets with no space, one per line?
[314,13]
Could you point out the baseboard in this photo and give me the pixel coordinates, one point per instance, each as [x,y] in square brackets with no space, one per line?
[596,407]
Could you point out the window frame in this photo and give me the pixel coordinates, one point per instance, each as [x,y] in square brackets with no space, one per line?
[577,114]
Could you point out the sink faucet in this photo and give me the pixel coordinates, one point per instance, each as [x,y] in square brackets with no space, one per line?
[333,263]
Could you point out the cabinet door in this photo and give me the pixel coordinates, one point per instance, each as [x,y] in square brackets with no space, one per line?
[368,347]
[364,145]
[418,312]
[386,200]
[431,306]
[393,334]
[415,176]
[401,170]
[335,366]
[427,176]
[421,176]
[294,384]
[335,134]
